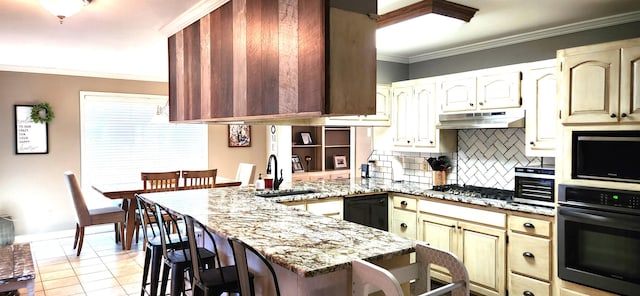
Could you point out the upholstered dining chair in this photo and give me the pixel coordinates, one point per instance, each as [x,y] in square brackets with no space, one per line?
[87,217]
[246,173]
[199,179]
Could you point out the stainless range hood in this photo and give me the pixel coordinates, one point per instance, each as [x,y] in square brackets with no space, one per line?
[488,119]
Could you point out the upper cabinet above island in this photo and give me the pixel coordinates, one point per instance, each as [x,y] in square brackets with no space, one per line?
[258,60]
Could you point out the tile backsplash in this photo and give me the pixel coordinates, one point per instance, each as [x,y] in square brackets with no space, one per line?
[485,157]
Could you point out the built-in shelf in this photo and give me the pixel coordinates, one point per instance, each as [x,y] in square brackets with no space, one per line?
[327,142]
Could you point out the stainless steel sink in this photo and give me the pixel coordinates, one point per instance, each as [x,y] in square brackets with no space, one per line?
[284,192]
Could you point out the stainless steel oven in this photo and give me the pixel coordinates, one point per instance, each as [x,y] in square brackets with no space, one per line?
[599,238]
[535,185]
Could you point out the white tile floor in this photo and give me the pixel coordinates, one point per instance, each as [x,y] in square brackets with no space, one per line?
[102,268]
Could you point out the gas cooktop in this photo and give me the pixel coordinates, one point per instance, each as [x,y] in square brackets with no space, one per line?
[476,191]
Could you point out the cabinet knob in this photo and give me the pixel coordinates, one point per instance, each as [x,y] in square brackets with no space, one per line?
[471,104]
[430,142]
[613,115]
[528,254]
[528,293]
[408,141]
[404,225]
[532,143]
[481,103]
[404,203]
[623,115]
[528,225]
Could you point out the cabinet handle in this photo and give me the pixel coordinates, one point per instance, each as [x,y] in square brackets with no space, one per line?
[613,115]
[381,201]
[403,225]
[528,254]
[528,293]
[404,203]
[623,115]
[528,225]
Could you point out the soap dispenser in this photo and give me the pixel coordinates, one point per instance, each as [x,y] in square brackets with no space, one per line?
[259,183]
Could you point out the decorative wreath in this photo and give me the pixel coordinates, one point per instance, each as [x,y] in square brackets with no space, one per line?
[42,113]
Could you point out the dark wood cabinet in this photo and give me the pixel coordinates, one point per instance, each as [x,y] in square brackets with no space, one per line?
[274,59]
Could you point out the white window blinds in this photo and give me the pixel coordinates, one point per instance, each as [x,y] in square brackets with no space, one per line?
[119,139]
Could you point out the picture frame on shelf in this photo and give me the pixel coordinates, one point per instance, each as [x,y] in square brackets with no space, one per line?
[340,162]
[239,135]
[296,165]
[306,138]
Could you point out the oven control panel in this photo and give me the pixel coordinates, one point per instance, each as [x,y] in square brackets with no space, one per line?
[599,196]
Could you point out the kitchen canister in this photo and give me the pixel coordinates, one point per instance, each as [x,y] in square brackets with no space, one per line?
[7,231]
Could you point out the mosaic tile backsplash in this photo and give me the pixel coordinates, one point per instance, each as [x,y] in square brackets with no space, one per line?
[485,157]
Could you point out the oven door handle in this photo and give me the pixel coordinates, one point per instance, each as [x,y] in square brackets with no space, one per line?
[582,215]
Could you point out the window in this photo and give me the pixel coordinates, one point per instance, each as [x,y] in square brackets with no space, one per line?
[119,139]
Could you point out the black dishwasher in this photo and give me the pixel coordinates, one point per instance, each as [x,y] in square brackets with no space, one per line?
[369,210]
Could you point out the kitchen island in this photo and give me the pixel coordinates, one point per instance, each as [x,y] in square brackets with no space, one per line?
[311,254]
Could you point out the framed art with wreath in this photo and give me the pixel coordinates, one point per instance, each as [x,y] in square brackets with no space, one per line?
[32,135]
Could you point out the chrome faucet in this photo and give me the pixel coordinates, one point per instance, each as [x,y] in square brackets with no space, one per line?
[276,181]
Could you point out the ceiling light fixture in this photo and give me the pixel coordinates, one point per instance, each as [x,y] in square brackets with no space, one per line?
[421,8]
[64,8]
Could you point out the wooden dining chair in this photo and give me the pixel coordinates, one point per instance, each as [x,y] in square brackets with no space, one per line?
[199,179]
[160,181]
[88,217]
[246,173]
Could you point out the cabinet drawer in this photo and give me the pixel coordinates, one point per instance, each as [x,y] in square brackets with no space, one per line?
[404,223]
[530,255]
[405,203]
[530,226]
[519,285]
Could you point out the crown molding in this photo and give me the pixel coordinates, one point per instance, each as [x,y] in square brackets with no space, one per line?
[525,37]
[390,58]
[193,14]
[70,72]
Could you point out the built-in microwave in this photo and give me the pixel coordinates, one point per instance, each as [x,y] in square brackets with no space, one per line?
[606,155]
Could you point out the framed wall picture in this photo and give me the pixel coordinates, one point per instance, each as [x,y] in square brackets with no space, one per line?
[340,162]
[31,137]
[239,135]
[306,138]
[296,165]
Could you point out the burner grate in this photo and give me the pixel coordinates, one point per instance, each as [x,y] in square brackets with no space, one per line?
[475,191]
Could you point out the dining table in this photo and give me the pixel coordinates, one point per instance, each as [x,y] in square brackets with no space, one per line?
[127,193]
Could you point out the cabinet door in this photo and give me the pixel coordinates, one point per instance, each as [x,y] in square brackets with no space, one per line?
[590,87]
[630,85]
[497,91]
[458,94]
[332,208]
[539,93]
[424,115]
[439,233]
[483,253]
[383,104]
[402,108]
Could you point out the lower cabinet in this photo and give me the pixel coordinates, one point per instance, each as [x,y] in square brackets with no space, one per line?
[404,217]
[480,246]
[530,255]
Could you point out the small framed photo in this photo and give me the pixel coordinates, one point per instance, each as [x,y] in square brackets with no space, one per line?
[296,165]
[239,135]
[306,138]
[339,162]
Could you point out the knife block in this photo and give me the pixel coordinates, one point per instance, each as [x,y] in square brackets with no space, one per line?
[439,178]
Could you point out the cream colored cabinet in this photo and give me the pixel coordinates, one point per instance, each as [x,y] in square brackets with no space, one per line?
[599,83]
[530,255]
[414,118]
[382,117]
[480,243]
[539,95]
[496,88]
[329,208]
[404,220]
